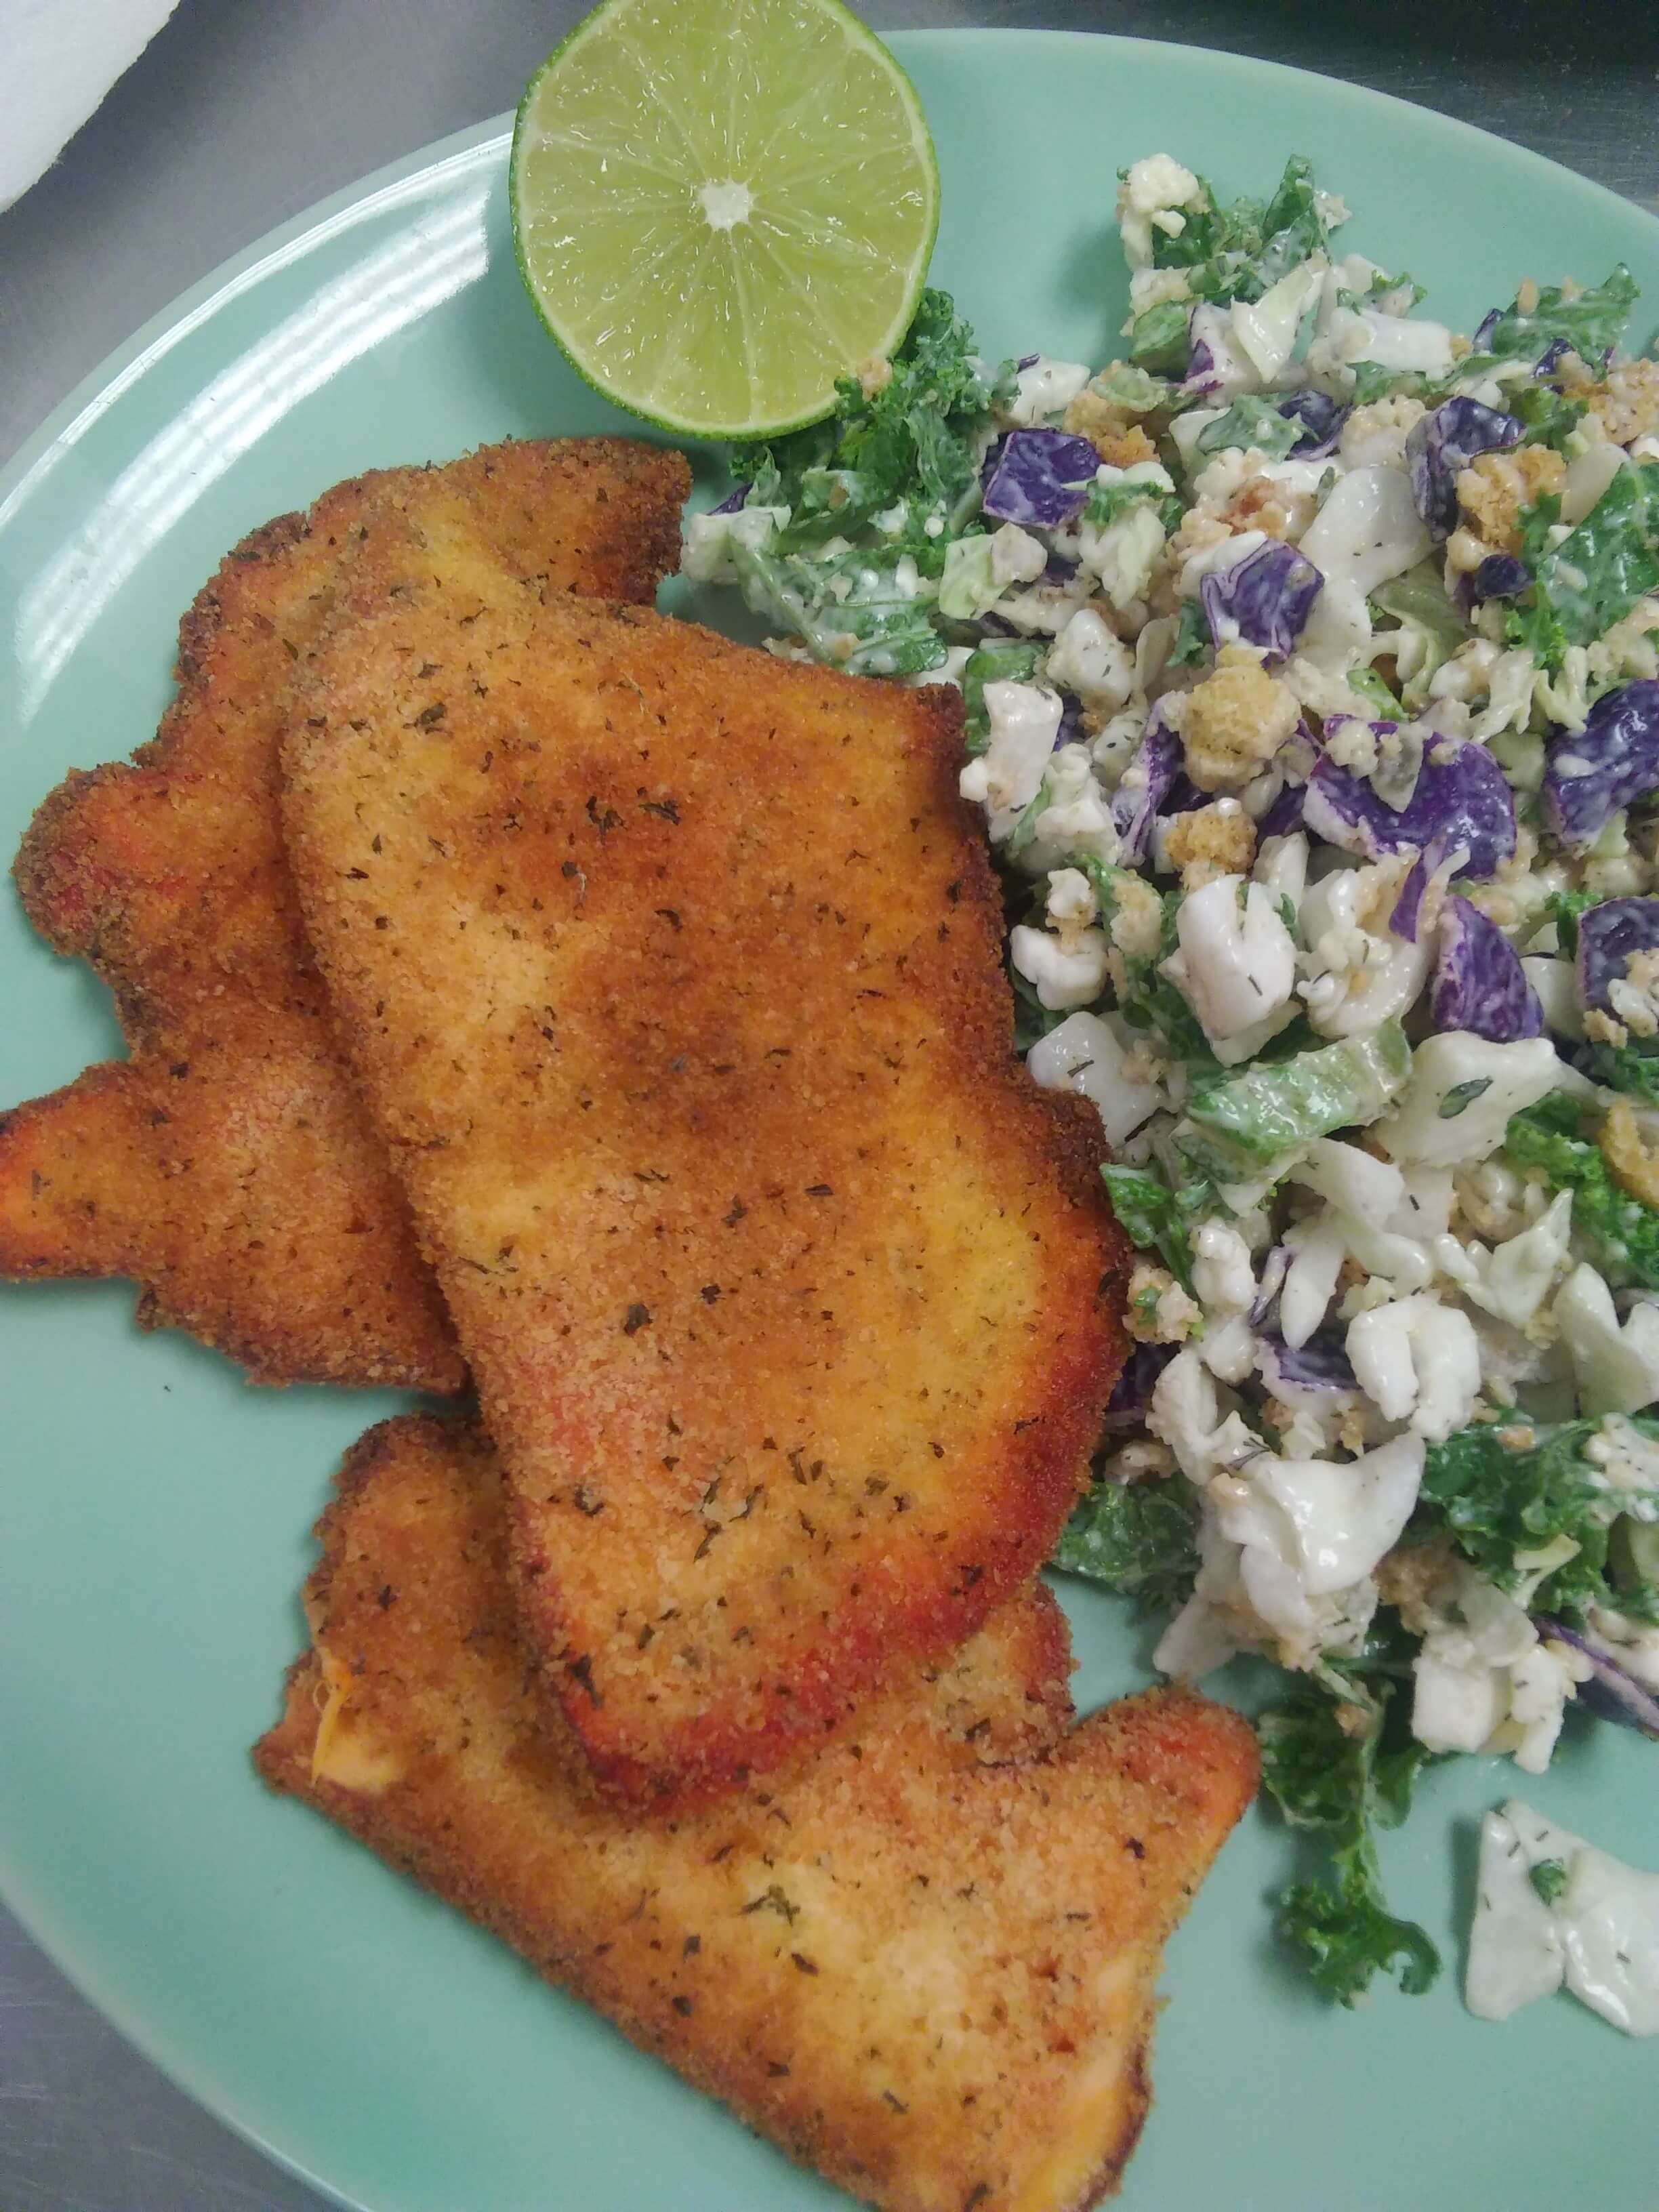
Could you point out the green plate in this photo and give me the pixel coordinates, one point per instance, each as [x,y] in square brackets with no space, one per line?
[154,1510]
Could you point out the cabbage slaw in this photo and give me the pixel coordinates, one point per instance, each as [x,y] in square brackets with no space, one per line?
[1310,665]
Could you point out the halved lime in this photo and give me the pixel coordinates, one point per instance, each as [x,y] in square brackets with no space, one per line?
[721,206]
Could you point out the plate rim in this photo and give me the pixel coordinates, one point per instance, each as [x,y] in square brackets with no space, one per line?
[192,2072]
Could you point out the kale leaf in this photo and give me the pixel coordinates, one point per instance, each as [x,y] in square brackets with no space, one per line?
[871,626]
[1236,251]
[1140,1538]
[1591,322]
[915,439]
[1342,1784]
[1623,1232]
[1598,571]
[1155,1216]
[1498,1501]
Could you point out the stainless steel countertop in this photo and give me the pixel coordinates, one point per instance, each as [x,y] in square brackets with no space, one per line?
[240,114]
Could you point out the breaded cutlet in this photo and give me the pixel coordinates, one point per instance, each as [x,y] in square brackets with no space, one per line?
[226,1164]
[672,973]
[921,1961]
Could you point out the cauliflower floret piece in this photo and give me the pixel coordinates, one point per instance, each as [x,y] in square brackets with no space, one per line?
[1063,975]
[1089,659]
[1185,1413]
[1024,721]
[1216,840]
[1628,647]
[1513,1280]
[1357,971]
[1617,1369]
[1076,817]
[1159,1311]
[1375,433]
[1124,554]
[1017,557]
[1236,719]
[1515,1075]
[1047,388]
[1236,961]
[1222,1273]
[1152,192]
[1484,1678]
[1418,1360]
[1103,1061]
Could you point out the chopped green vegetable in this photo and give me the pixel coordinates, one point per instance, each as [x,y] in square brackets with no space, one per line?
[1140,1538]
[913,440]
[1625,1233]
[1157,340]
[1500,1501]
[1322,1776]
[1263,1111]
[1549,415]
[1192,642]
[1420,597]
[1154,1215]
[1627,1067]
[1235,252]
[1590,322]
[1252,419]
[1598,573]
[880,628]
[1108,503]
[1123,385]
[1549,1878]
[1367,685]
[1373,381]
[1463,1095]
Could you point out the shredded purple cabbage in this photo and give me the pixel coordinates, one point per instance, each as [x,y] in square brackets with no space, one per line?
[1127,1408]
[1264,599]
[1479,983]
[1146,783]
[1206,337]
[1607,935]
[1441,444]
[733,502]
[1613,1692]
[1499,577]
[1313,1369]
[1321,420]
[1038,478]
[1460,797]
[1590,774]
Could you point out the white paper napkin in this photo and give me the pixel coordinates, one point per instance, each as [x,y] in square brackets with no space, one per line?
[57,60]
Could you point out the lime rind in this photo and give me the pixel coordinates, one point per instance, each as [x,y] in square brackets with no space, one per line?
[754,344]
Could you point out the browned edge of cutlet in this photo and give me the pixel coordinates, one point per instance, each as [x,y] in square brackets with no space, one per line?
[370,1313]
[1122,1816]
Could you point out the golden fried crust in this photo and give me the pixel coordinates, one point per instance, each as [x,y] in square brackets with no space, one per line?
[672,974]
[227,1164]
[922,1962]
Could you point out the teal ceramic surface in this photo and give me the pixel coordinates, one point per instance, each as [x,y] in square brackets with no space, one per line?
[153,1509]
